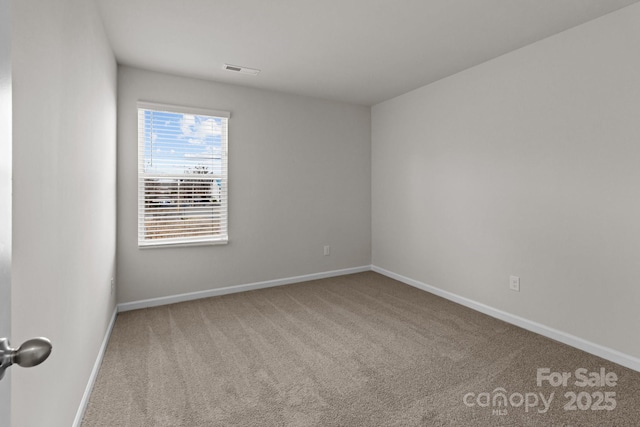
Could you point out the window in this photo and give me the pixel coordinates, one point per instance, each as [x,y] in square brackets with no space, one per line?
[182,175]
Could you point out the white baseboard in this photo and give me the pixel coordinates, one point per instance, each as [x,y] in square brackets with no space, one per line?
[94,373]
[154,302]
[571,340]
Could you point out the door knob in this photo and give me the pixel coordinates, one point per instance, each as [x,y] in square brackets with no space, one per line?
[31,353]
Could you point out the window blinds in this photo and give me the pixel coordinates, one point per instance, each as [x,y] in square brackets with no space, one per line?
[182,175]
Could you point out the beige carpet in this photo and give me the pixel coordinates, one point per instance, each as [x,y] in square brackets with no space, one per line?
[357,350]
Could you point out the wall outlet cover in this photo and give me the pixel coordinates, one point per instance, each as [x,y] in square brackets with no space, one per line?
[514,283]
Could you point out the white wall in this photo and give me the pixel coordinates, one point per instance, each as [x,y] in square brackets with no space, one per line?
[299,179]
[526,165]
[64,153]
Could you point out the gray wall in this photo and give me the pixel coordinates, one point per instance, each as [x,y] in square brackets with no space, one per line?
[64,153]
[526,165]
[5,194]
[299,179]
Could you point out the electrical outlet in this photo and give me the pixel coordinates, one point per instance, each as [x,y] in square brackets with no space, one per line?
[327,250]
[113,285]
[514,283]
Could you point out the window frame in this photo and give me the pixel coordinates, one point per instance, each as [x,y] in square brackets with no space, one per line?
[221,238]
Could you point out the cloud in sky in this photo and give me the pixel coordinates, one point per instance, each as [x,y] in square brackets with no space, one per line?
[198,129]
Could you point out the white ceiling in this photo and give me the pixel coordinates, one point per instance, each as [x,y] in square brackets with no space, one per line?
[356,51]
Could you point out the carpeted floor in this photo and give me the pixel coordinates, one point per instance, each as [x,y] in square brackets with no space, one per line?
[357,350]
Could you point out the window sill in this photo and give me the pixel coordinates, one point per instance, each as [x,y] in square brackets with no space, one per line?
[152,245]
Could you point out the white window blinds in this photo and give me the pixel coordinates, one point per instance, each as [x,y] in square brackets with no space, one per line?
[182,175]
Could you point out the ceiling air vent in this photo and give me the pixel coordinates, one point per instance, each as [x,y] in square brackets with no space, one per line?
[243,70]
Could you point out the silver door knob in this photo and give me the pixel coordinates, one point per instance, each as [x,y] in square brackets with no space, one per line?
[31,353]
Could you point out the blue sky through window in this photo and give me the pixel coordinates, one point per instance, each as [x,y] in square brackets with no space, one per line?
[177,143]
